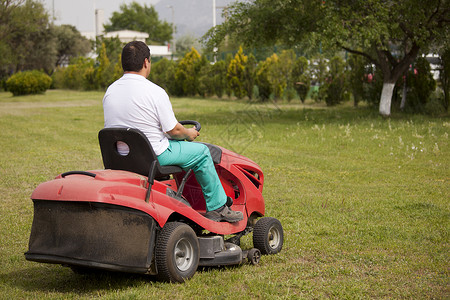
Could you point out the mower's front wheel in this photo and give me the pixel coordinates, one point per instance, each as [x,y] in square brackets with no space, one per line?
[176,252]
[268,235]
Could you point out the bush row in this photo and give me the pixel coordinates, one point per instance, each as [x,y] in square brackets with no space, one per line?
[286,76]
[88,74]
[280,76]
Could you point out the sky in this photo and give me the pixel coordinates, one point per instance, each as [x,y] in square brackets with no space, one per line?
[81,13]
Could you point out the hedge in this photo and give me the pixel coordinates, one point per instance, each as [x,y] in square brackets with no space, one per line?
[28,82]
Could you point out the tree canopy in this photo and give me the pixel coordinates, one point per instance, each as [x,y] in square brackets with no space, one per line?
[389,33]
[70,43]
[28,40]
[140,18]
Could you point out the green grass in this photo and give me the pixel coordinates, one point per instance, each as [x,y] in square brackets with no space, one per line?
[364,201]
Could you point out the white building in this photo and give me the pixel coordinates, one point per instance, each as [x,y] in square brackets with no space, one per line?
[125,36]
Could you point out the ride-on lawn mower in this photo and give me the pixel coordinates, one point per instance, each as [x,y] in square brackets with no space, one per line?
[138,216]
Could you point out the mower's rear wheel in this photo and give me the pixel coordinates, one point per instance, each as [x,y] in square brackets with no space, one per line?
[268,235]
[176,252]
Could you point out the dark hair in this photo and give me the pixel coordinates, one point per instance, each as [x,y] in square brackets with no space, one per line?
[133,56]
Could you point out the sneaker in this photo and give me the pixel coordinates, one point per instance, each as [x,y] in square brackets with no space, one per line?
[224,213]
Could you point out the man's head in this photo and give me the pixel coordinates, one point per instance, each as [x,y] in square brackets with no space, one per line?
[133,56]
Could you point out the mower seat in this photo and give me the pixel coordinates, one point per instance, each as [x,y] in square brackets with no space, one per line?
[141,158]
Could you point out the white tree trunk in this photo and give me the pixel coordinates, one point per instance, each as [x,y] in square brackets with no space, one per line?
[386,99]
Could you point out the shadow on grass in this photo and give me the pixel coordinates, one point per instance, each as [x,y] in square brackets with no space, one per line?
[57,279]
[272,113]
[62,280]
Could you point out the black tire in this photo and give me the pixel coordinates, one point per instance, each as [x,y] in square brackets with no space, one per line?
[268,235]
[254,256]
[176,252]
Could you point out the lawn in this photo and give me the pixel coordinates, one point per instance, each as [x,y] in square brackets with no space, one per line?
[364,201]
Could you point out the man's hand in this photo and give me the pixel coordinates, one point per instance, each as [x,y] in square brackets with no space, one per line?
[179,132]
[192,134]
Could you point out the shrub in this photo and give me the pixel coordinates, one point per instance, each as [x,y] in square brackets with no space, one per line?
[80,75]
[187,73]
[356,77]
[236,74]
[205,80]
[28,82]
[421,84]
[301,77]
[219,74]
[163,74]
[373,84]
[444,76]
[434,106]
[249,75]
[286,64]
[318,68]
[275,76]
[335,85]
[105,70]
[262,82]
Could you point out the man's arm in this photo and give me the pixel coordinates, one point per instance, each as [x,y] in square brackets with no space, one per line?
[179,132]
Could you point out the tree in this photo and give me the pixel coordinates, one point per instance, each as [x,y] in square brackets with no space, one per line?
[105,71]
[185,43]
[70,43]
[112,45]
[301,78]
[280,72]
[219,74]
[205,80]
[421,83]
[335,85]
[356,77]
[249,75]
[78,75]
[286,67]
[444,77]
[187,74]
[319,72]
[262,80]
[141,18]
[7,8]
[236,74]
[389,33]
[163,74]
[28,41]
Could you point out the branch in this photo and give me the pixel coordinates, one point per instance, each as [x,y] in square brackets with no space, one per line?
[434,13]
[408,32]
[403,65]
[391,59]
[360,53]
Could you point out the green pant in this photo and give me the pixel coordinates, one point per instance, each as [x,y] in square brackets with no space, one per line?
[196,156]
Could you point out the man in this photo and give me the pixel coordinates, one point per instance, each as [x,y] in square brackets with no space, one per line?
[135,102]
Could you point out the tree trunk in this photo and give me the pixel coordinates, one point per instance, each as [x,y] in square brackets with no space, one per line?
[355,99]
[392,70]
[404,94]
[386,98]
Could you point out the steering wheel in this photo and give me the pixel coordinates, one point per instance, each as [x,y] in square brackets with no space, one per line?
[191,122]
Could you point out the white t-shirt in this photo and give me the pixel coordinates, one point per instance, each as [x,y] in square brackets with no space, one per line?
[135,102]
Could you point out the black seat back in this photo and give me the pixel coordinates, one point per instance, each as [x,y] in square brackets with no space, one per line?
[140,157]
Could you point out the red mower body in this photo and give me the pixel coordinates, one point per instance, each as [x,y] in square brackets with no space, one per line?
[241,178]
